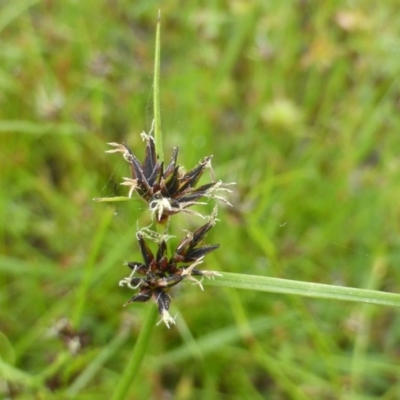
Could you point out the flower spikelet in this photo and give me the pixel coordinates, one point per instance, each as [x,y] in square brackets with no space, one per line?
[157,273]
[168,189]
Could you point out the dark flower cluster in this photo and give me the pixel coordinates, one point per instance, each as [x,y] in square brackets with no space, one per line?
[168,190]
[157,273]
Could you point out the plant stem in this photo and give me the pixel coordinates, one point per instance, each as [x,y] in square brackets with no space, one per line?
[135,362]
[142,343]
[156,94]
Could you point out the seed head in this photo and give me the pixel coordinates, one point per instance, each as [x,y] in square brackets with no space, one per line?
[158,273]
[168,189]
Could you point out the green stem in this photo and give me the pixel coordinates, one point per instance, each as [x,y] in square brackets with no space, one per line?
[111,199]
[308,289]
[135,362]
[156,94]
[142,343]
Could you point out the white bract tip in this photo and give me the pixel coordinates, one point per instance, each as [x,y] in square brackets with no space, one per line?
[167,319]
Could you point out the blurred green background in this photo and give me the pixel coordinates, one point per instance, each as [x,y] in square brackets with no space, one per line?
[298,101]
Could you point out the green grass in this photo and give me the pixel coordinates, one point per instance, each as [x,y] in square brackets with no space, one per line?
[298,103]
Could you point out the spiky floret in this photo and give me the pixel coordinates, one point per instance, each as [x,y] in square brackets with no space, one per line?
[167,189]
[158,273]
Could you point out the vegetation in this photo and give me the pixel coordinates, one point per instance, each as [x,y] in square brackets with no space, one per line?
[298,102]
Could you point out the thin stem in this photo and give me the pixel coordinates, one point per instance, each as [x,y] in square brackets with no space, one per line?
[135,362]
[111,199]
[143,341]
[156,94]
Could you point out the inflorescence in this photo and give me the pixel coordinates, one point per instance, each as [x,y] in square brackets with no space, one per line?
[168,190]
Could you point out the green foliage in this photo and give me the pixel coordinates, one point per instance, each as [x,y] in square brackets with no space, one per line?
[297,101]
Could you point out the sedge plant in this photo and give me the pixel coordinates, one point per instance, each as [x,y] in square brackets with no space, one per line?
[169,189]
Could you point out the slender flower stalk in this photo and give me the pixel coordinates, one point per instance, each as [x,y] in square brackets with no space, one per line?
[122,390]
[168,189]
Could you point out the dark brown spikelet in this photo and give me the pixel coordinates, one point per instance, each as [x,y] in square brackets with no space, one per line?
[157,273]
[168,190]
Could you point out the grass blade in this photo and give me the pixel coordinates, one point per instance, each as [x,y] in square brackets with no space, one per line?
[308,289]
